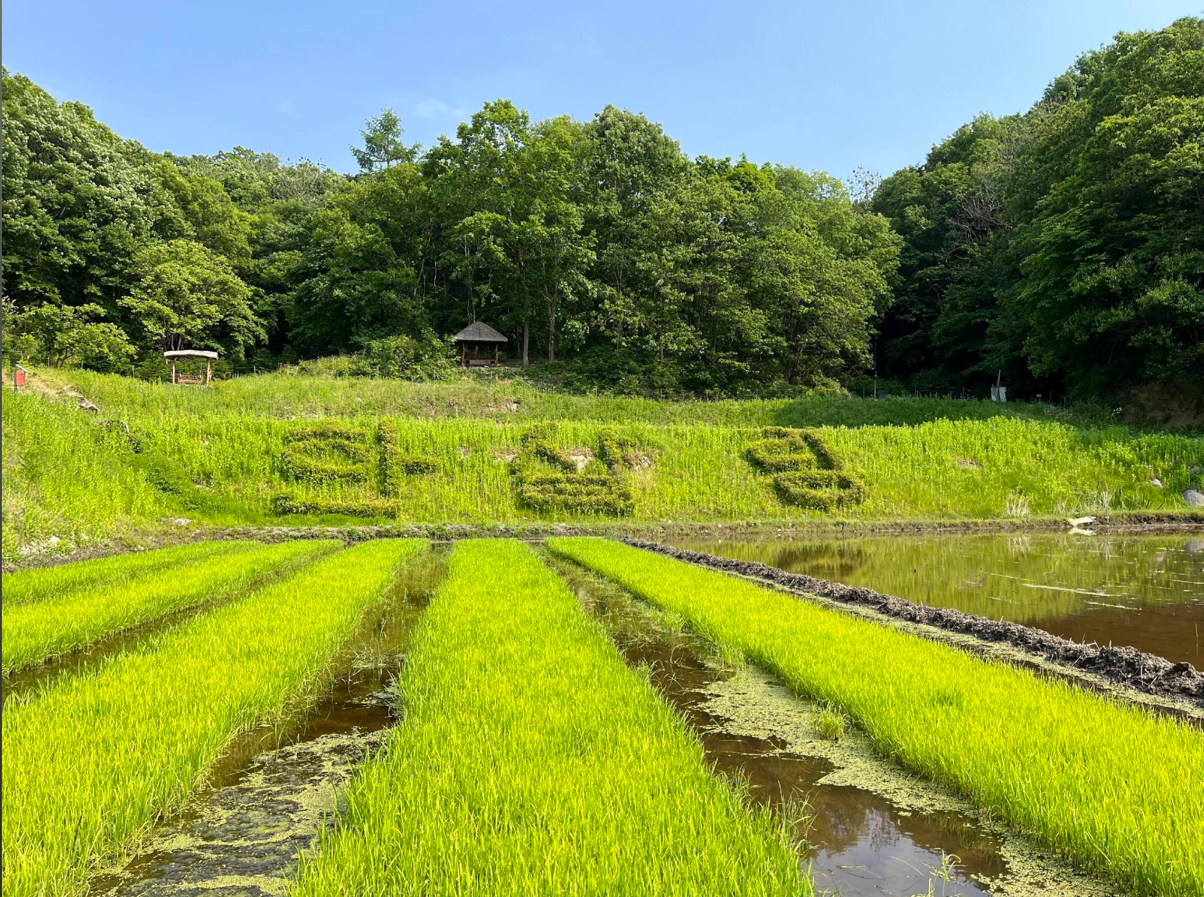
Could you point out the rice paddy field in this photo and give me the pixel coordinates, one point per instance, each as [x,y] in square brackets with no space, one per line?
[219,677]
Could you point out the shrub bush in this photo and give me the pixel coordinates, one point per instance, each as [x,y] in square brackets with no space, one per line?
[405,358]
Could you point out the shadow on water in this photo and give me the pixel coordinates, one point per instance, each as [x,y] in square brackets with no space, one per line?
[1143,591]
[271,793]
[868,829]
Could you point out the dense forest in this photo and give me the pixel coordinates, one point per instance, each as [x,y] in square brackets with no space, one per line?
[1062,249]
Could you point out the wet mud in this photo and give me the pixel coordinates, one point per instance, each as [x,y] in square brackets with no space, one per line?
[1124,666]
[865,827]
[275,790]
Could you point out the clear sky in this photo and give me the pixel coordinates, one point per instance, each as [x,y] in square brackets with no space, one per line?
[827,85]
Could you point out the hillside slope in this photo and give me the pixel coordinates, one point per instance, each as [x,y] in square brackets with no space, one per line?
[154,452]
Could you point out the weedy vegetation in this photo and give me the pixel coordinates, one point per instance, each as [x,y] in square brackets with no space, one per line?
[532,760]
[1068,766]
[90,761]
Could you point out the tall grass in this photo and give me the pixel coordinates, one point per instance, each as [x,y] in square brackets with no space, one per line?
[92,760]
[64,477]
[1107,785]
[506,397]
[937,470]
[203,454]
[25,586]
[532,761]
[62,623]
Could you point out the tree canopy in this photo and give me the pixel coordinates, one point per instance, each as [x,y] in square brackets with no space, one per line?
[1062,248]
[1065,246]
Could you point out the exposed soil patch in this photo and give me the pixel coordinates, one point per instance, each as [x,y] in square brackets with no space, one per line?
[1128,667]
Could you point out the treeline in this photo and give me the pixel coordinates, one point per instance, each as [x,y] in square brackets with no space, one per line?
[597,240]
[1062,249]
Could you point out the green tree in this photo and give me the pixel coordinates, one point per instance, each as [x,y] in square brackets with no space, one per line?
[383,146]
[66,335]
[189,297]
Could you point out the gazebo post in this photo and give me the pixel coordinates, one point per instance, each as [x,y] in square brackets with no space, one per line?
[208,371]
[173,370]
[495,353]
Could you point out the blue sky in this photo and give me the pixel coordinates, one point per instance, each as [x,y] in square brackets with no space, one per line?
[817,85]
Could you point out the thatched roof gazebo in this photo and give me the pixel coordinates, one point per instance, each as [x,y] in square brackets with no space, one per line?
[173,357]
[476,339]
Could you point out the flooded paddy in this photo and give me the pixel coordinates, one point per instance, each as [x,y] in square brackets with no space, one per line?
[269,798]
[1143,591]
[865,828]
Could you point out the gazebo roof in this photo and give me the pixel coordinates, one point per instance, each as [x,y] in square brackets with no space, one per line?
[479,332]
[191,353]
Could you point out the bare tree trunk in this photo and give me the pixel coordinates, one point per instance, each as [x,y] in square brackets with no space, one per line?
[551,331]
[526,341]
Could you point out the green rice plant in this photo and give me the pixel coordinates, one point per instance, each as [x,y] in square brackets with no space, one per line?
[26,586]
[532,760]
[830,723]
[92,760]
[73,619]
[1108,785]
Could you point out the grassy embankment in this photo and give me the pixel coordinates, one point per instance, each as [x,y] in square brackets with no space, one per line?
[230,455]
[69,620]
[1107,785]
[129,740]
[533,761]
[482,396]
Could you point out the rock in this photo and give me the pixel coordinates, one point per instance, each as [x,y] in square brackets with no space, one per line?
[1194,546]
[1193,498]
[1155,482]
[85,405]
[175,521]
[39,547]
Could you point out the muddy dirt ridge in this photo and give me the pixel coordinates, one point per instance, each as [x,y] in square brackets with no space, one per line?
[1124,666]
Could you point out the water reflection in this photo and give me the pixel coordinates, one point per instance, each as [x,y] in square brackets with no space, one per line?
[858,843]
[1143,591]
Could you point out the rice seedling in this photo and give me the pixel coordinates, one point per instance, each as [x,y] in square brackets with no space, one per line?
[830,723]
[1107,785]
[92,760]
[70,620]
[533,761]
[25,586]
